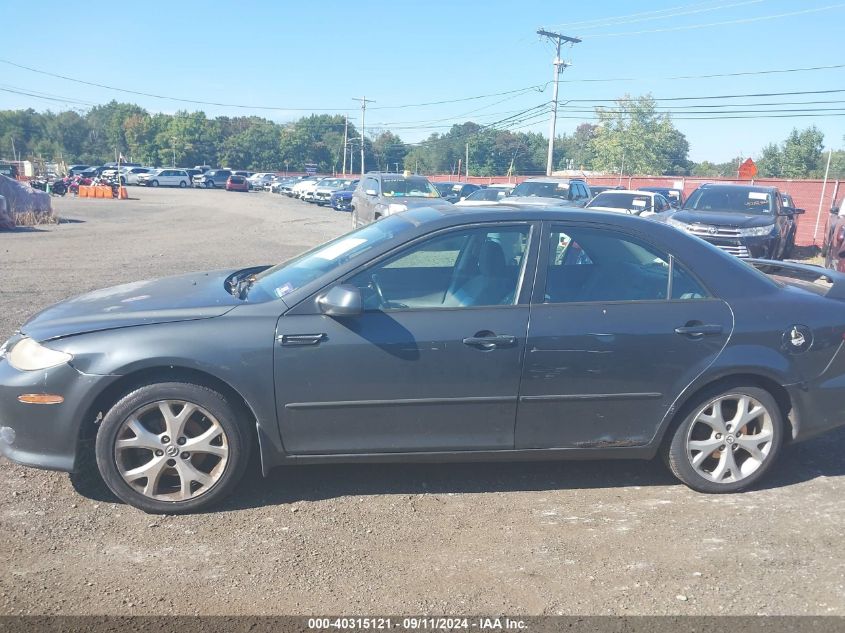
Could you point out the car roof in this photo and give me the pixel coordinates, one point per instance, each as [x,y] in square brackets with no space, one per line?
[554,179]
[727,185]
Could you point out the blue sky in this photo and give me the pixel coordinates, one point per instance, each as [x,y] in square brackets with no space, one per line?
[318,56]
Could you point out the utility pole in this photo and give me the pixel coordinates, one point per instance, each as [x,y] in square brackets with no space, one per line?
[559,65]
[345,131]
[364,101]
[466,163]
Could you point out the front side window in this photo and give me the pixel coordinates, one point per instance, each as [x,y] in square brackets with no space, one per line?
[465,268]
[542,189]
[587,265]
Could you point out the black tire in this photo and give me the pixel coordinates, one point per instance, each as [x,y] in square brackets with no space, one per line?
[226,414]
[209,184]
[182,184]
[154,183]
[675,450]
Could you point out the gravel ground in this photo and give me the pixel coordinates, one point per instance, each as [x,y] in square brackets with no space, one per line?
[538,538]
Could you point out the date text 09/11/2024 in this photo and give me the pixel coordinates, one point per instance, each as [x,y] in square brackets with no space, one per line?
[418,623]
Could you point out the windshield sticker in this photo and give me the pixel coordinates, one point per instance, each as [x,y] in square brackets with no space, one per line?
[336,250]
[281,291]
[563,185]
[638,203]
[757,195]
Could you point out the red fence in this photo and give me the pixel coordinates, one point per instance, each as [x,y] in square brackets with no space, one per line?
[807,194]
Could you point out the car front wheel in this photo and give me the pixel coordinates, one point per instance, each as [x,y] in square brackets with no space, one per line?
[172,448]
[728,441]
[154,183]
[209,184]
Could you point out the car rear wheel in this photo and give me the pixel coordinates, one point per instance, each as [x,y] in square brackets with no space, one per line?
[172,448]
[209,184]
[154,183]
[182,184]
[728,441]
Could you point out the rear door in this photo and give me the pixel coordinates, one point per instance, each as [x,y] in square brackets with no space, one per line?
[618,329]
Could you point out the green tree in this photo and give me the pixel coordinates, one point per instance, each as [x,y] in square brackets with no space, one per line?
[634,137]
[770,163]
[802,152]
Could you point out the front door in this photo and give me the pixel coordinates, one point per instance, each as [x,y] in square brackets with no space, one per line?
[432,364]
[618,329]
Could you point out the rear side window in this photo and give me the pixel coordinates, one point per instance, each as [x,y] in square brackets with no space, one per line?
[590,265]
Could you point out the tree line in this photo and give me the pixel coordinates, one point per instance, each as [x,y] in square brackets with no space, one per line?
[629,137]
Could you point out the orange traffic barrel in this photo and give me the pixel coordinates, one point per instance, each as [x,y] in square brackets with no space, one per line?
[123,194]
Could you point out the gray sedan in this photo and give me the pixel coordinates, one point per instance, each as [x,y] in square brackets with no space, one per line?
[410,339]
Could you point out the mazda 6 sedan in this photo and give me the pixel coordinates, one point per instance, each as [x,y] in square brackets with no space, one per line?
[466,334]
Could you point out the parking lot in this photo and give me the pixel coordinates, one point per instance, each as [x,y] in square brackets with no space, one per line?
[536,538]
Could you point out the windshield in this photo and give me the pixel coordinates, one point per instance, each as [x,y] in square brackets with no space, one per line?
[413,187]
[629,201]
[278,281]
[486,194]
[542,190]
[729,199]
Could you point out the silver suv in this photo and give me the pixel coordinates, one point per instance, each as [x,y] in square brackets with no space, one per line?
[380,194]
[570,192]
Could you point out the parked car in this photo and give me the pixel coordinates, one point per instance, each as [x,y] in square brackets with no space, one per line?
[674,196]
[597,189]
[165,178]
[507,187]
[258,180]
[130,175]
[237,183]
[75,170]
[212,178]
[300,188]
[324,189]
[483,197]
[203,168]
[9,170]
[241,172]
[833,248]
[90,172]
[355,351]
[341,199]
[743,220]
[644,203]
[455,191]
[551,192]
[192,171]
[381,194]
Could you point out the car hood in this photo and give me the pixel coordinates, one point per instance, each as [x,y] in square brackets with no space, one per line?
[723,218]
[170,299]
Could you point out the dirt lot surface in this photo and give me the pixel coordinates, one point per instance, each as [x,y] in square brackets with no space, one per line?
[539,538]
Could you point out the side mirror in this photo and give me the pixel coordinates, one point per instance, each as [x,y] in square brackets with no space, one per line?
[341,301]
[834,210]
[371,192]
[793,211]
[798,211]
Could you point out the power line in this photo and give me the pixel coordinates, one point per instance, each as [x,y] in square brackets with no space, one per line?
[711,97]
[724,23]
[672,15]
[631,15]
[711,76]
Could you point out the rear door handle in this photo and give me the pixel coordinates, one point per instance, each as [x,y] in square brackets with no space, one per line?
[300,339]
[699,330]
[490,342]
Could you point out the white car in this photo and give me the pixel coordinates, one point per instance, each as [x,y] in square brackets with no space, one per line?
[165,178]
[130,175]
[304,186]
[633,202]
[483,197]
[260,179]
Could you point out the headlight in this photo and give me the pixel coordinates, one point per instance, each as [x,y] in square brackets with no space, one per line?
[396,208]
[757,231]
[677,224]
[29,355]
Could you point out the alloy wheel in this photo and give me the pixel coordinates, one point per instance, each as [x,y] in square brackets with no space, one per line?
[730,438]
[171,450]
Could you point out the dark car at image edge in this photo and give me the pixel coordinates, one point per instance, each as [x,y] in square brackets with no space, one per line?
[410,340]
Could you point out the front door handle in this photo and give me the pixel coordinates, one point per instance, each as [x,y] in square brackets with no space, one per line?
[491,341]
[697,330]
[300,339]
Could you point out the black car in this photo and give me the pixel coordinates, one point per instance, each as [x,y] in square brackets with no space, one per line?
[674,196]
[743,220]
[410,340]
[455,191]
[212,178]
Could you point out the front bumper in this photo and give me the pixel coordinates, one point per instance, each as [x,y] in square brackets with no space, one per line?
[45,436]
[760,247]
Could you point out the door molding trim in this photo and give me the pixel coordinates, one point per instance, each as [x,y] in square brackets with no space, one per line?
[408,401]
[592,396]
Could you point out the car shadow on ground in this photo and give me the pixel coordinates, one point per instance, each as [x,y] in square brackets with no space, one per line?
[820,457]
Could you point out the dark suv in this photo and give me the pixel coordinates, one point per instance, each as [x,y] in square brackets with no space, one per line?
[212,179]
[743,220]
[571,192]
